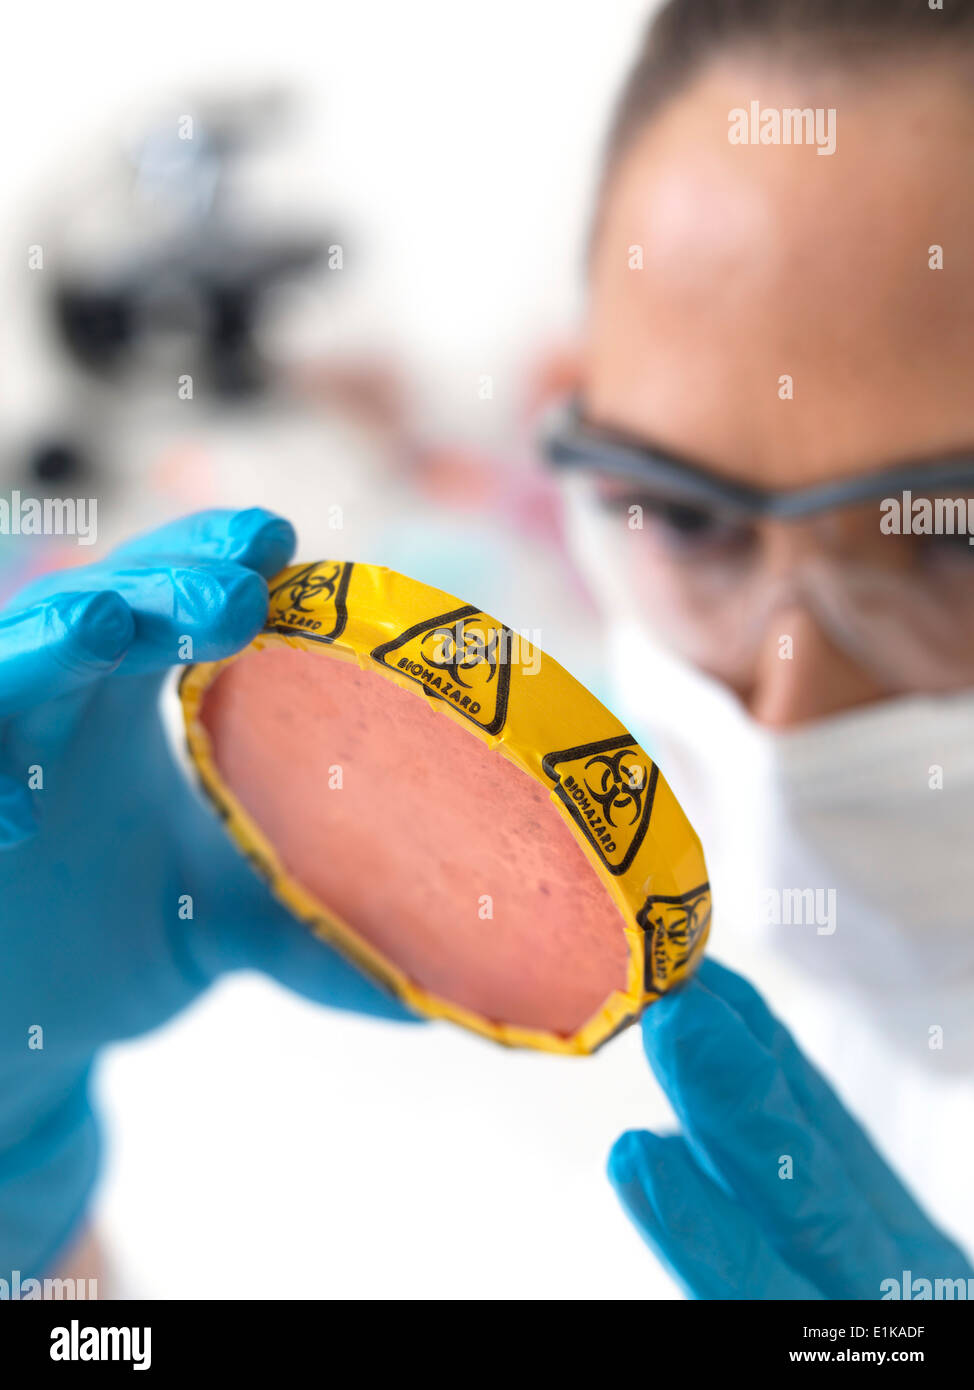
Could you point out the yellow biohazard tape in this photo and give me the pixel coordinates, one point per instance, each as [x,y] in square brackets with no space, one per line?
[519,701]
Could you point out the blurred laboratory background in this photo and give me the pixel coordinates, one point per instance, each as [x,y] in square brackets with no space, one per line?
[330,264]
[326,258]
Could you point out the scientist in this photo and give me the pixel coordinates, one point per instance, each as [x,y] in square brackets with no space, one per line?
[778,344]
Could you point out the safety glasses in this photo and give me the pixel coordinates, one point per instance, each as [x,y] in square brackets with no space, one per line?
[569,442]
[883,560]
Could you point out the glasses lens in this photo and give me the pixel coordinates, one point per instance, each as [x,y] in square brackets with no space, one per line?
[711,581]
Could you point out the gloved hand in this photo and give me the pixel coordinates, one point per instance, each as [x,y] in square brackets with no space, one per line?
[711,1202]
[121,897]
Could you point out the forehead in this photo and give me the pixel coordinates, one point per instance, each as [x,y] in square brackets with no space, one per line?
[720,268]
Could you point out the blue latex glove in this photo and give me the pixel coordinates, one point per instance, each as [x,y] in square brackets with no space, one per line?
[710,1202]
[95,865]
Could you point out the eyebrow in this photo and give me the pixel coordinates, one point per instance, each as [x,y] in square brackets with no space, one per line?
[572,441]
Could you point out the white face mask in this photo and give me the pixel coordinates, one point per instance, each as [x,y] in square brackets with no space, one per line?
[845,847]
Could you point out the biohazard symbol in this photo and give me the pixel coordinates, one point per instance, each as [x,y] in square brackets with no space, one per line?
[620,780]
[310,582]
[310,600]
[608,787]
[459,650]
[673,926]
[462,657]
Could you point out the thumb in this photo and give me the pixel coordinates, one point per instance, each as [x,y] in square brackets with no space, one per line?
[238,924]
[277,944]
[704,1237]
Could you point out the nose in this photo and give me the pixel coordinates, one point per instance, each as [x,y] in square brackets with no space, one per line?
[801,675]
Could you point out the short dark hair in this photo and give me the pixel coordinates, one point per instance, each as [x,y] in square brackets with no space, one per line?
[685,33]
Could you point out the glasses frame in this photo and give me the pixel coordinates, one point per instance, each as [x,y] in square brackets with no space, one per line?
[569,442]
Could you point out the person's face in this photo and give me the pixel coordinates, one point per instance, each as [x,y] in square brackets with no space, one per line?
[760,262]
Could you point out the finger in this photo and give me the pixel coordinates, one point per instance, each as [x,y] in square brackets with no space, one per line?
[748,1132]
[255,538]
[17,822]
[706,1240]
[56,647]
[873,1177]
[183,611]
[293,955]
[186,613]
